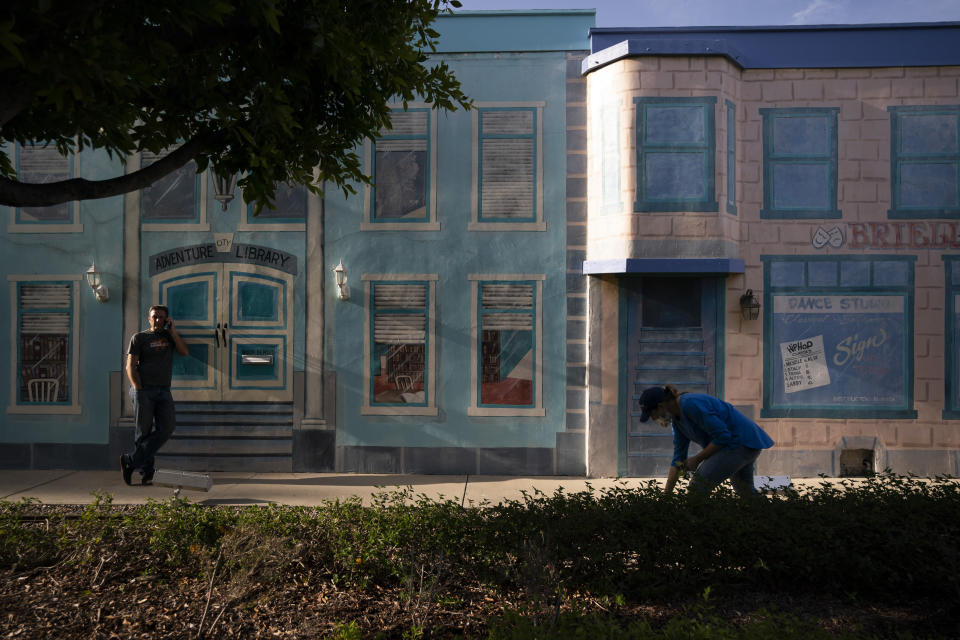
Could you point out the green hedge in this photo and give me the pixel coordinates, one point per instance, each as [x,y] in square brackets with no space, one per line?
[888,537]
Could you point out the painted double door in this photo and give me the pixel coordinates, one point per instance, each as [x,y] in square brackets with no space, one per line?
[237,322]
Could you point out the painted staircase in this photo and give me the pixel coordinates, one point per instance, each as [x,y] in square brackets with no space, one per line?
[234,436]
[665,356]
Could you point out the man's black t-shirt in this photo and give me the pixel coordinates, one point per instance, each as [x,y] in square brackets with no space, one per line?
[155,350]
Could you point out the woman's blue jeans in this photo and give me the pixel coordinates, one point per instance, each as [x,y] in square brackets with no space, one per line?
[737,464]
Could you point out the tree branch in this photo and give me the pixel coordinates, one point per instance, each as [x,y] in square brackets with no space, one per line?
[14,193]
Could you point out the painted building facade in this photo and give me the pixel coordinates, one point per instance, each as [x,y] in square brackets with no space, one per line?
[521,271]
[445,352]
[815,168]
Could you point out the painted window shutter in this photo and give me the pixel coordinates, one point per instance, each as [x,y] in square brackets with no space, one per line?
[45,296]
[509,301]
[404,320]
[508,164]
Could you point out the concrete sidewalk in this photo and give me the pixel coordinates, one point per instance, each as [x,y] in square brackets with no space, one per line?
[232,488]
[80,487]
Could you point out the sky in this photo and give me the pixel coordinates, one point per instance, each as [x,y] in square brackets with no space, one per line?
[689,13]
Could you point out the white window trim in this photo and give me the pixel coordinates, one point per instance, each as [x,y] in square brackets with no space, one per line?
[12,149]
[133,164]
[475,224]
[367,408]
[74,406]
[432,223]
[474,408]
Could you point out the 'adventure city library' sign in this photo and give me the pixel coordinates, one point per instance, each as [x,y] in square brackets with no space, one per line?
[243,253]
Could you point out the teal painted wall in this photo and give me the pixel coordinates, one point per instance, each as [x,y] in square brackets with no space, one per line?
[453,253]
[100,323]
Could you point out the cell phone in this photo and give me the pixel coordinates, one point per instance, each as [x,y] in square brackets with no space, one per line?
[167,325]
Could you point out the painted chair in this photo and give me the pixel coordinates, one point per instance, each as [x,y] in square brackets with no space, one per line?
[43,389]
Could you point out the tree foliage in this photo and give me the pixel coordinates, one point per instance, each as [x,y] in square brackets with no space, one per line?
[270,89]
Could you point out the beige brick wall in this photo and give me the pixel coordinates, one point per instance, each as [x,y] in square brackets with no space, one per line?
[863,97]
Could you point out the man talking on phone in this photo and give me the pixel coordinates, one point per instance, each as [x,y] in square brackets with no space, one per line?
[150,368]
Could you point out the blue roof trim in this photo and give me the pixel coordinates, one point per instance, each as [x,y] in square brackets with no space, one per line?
[664,266]
[824,46]
[490,31]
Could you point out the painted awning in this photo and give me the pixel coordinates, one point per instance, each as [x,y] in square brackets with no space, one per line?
[664,266]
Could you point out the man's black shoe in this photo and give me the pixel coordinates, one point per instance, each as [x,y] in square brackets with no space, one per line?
[126,469]
[147,478]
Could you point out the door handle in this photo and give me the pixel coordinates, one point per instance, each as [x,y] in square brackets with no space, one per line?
[224,334]
[216,335]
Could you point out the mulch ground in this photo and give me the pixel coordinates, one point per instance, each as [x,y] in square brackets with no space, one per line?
[111,595]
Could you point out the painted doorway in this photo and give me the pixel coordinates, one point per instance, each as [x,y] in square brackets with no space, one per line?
[675,329]
[237,322]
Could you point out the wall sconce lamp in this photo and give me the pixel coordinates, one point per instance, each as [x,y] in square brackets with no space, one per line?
[224,186]
[343,291]
[749,306]
[95,280]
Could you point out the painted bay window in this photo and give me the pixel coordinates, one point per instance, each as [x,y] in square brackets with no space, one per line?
[399,345]
[800,163]
[42,164]
[838,336]
[175,202]
[925,161]
[506,354]
[44,328]
[952,338]
[675,154]
[403,161]
[507,167]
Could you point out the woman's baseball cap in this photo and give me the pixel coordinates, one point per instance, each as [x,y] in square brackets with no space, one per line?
[649,399]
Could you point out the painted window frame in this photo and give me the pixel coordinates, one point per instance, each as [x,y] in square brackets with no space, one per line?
[429,408]
[898,159]
[707,149]
[431,223]
[534,223]
[771,160]
[906,291]
[15,150]
[951,263]
[475,408]
[16,406]
[249,222]
[199,221]
[731,157]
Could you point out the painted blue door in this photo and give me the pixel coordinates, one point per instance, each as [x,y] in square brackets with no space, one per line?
[673,326]
[237,322]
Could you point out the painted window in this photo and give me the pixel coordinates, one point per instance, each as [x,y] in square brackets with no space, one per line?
[952,375]
[507,167]
[403,165]
[675,154]
[507,348]
[800,163]
[838,336]
[399,345]
[288,213]
[925,161]
[175,200]
[731,158]
[606,120]
[42,163]
[44,327]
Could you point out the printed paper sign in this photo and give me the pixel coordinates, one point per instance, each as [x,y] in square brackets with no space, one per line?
[804,364]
